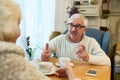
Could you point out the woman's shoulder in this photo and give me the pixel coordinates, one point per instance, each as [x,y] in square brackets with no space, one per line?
[18,68]
[10,47]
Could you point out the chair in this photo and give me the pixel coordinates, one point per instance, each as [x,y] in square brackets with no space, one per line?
[54,34]
[102,37]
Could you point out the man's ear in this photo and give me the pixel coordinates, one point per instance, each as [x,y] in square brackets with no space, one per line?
[85,29]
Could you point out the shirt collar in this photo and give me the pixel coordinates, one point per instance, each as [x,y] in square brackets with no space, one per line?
[67,37]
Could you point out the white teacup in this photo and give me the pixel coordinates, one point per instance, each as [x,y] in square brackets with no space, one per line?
[45,67]
[63,61]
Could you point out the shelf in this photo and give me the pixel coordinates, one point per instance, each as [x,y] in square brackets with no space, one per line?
[89,10]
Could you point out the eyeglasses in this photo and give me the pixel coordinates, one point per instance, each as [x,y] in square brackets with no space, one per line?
[77,26]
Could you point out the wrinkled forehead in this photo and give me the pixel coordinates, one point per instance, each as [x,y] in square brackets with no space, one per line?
[76,21]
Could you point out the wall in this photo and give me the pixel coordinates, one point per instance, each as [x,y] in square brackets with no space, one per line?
[114,24]
[61,14]
[114,29]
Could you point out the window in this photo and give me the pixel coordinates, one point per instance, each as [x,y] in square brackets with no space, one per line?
[38,21]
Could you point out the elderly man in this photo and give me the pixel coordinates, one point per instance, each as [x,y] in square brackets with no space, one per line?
[76,45]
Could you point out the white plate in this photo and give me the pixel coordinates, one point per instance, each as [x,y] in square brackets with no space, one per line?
[57,64]
[50,72]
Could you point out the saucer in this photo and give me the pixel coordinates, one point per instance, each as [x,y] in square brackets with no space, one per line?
[52,71]
[57,64]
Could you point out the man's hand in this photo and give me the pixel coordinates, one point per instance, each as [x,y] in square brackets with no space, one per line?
[46,54]
[82,53]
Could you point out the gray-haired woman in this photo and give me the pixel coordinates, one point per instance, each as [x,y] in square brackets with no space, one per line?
[13,65]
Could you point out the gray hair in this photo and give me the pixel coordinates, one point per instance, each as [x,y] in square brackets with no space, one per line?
[79,16]
[9,13]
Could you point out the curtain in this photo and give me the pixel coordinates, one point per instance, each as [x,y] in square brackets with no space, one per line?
[38,21]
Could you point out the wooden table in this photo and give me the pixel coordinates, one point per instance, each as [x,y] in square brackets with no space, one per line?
[80,69]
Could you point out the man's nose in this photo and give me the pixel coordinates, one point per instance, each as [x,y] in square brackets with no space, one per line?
[73,28]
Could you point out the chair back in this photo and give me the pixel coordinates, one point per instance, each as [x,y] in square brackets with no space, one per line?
[102,37]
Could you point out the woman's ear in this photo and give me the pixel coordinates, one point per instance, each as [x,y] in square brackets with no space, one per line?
[1,37]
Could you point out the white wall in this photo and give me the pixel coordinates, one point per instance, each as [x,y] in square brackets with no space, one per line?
[61,14]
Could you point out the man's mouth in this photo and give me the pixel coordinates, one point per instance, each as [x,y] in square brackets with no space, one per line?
[73,33]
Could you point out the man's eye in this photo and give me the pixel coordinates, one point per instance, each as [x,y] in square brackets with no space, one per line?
[78,26]
[71,24]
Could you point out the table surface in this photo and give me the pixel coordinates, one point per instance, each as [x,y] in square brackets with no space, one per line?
[80,69]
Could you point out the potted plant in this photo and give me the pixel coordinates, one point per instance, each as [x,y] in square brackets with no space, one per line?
[72,10]
[30,51]
[104,18]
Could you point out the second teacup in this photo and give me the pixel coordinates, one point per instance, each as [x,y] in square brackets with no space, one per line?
[63,61]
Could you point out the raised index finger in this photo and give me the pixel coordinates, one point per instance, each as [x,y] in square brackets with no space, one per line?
[46,47]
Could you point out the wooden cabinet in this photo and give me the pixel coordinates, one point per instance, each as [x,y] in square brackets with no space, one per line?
[114,6]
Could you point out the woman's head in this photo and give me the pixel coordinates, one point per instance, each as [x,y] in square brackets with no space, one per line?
[10,17]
